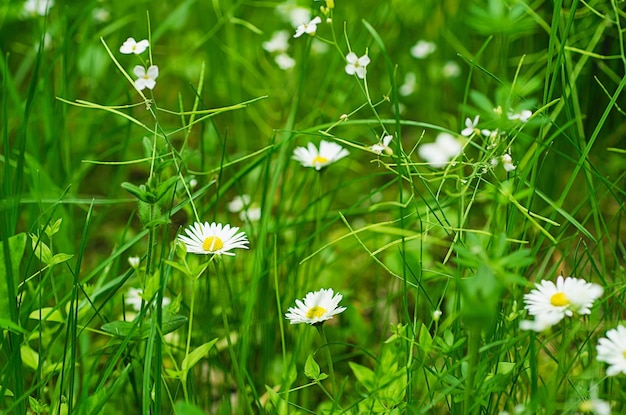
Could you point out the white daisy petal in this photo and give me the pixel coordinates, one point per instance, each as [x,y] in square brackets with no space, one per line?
[329,152]
[316,308]
[213,239]
[612,350]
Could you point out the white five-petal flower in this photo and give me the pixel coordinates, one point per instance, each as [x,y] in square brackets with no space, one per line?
[383,145]
[439,153]
[328,153]
[357,65]
[146,79]
[309,28]
[470,126]
[316,308]
[131,46]
[213,238]
[551,302]
[612,350]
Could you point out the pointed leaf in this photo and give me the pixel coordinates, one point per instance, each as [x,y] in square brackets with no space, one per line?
[197,354]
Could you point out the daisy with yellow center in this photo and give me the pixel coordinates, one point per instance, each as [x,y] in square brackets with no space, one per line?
[317,307]
[612,350]
[328,153]
[213,239]
[551,302]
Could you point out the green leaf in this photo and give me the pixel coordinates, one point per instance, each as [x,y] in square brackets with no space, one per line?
[53,228]
[123,329]
[311,368]
[42,251]
[17,244]
[60,258]
[184,408]
[194,357]
[47,314]
[30,358]
[173,323]
[140,192]
[364,375]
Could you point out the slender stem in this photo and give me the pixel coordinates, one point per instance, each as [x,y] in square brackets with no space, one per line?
[331,370]
[191,308]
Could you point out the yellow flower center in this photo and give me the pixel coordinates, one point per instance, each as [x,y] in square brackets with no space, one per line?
[212,244]
[559,299]
[315,312]
[624,353]
[320,160]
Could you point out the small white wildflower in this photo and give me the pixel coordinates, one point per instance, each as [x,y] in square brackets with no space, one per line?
[422,49]
[238,203]
[383,145]
[437,315]
[408,87]
[279,42]
[597,406]
[146,79]
[470,126]
[522,116]
[328,153]
[134,261]
[357,65]
[251,214]
[439,153]
[316,308]
[507,162]
[101,15]
[40,7]
[451,69]
[612,350]
[284,61]
[293,13]
[309,28]
[193,183]
[131,46]
[213,238]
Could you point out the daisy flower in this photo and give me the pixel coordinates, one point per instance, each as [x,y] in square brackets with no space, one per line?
[551,302]
[470,126]
[309,28]
[612,350]
[213,238]
[131,46]
[357,65]
[328,153]
[383,145]
[439,153]
[316,308]
[146,79]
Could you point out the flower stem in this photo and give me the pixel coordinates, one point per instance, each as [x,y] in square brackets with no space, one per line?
[331,370]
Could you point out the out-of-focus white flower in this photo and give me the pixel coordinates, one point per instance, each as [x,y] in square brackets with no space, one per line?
[39,7]
[357,65]
[451,69]
[507,162]
[134,261]
[470,126]
[251,214]
[131,46]
[522,116]
[596,406]
[279,42]
[146,79]
[439,153]
[134,297]
[294,14]
[422,49]
[383,145]
[316,308]
[101,15]
[612,350]
[284,61]
[239,203]
[328,153]
[309,28]
[408,87]
[437,315]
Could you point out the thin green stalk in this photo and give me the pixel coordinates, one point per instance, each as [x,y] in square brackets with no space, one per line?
[331,370]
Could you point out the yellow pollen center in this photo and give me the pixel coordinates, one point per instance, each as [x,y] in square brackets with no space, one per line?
[320,160]
[212,244]
[559,300]
[315,312]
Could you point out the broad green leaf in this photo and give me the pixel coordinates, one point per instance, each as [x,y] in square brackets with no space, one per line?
[47,314]
[184,408]
[42,251]
[198,353]
[17,244]
[60,258]
[30,358]
[364,375]
[311,368]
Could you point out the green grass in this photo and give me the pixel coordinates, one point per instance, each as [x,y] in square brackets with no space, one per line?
[94,172]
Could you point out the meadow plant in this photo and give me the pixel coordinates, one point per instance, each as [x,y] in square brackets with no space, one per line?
[166,200]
